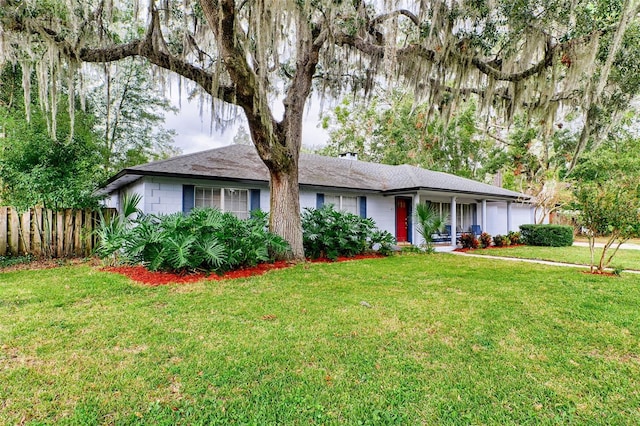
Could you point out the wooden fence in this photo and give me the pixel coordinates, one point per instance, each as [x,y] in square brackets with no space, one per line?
[39,232]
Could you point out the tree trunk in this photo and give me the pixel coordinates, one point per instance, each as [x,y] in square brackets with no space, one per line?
[284,217]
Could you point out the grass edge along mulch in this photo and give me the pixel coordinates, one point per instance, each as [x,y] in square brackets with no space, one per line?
[142,275]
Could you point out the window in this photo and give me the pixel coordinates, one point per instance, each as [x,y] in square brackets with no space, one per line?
[465,214]
[208,197]
[234,201]
[343,203]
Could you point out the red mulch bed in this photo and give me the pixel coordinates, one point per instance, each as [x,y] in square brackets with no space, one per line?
[464,250]
[144,276]
[603,273]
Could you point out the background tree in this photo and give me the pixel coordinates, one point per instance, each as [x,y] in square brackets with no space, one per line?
[399,131]
[533,159]
[37,169]
[512,55]
[130,113]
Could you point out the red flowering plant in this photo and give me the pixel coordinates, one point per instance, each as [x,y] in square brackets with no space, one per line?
[469,241]
[485,240]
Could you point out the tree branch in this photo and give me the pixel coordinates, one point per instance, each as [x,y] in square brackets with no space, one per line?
[374,49]
[163,60]
[381,18]
[307,58]
[154,52]
[221,16]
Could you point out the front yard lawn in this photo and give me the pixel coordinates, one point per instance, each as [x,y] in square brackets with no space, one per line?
[625,258]
[410,339]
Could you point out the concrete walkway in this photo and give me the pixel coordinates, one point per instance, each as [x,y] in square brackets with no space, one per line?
[626,246]
[541,262]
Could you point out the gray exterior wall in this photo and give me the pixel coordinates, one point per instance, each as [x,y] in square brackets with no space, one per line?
[163,195]
[497,213]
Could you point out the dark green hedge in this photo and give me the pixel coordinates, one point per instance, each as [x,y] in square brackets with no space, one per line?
[547,235]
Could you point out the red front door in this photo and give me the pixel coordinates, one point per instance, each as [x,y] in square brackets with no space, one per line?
[403,207]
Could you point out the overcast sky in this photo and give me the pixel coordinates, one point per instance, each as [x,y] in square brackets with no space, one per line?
[194,132]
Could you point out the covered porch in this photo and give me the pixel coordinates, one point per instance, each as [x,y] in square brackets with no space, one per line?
[465,213]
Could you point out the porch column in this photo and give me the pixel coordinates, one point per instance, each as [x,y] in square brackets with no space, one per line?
[454,221]
[508,216]
[414,227]
[483,219]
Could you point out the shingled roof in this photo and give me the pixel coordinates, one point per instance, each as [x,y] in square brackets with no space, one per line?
[241,163]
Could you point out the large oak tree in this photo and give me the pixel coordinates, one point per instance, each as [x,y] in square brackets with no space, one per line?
[255,54]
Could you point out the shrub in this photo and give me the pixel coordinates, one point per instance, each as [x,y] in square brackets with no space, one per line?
[6,261]
[417,249]
[382,242]
[469,241]
[514,237]
[206,239]
[501,240]
[330,233]
[485,240]
[547,235]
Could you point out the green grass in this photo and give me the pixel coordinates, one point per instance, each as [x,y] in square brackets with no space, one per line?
[626,259]
[447,340]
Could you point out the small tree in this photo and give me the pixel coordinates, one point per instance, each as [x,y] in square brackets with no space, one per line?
[611,209]
[607,195]
[429,222]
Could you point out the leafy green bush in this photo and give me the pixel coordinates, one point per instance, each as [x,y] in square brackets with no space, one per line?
[485,240]
[6,261]
[547,235]
[501,240]
[330,233]
[469,241]
[206,239]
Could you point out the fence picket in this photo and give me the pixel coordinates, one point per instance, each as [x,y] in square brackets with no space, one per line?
[14,231]
[44,232]
[25,232]
[88,228]
[48,234]
[59,233]
[77,233]
[68,233]
[36,245]
[4,228]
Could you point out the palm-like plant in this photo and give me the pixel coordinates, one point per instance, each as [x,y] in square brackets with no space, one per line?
[206,239]
[429,222]
[112,230]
